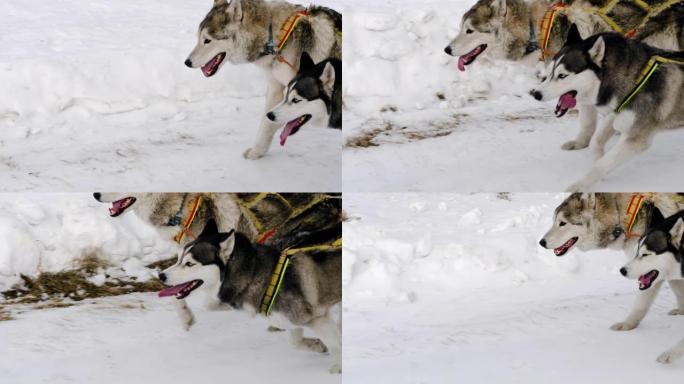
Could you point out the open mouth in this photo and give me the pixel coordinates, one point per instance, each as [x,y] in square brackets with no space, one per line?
[209,69]
[469,57]
[120,206]
[181,291]
[563,249]
[645,281]
[292,127]
[565,103]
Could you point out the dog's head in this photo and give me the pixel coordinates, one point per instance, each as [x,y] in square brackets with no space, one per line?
[574,73]
[199,263]
[120,202]
[232,30]
[659,253]
[306,97]
[572,222]
[481,29]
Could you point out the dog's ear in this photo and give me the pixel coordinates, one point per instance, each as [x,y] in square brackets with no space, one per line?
[210,229]
[657,218]
[234,10]
[328,78]
[598,50]
[676,232]
[574,36]
[499,7]
[306,62]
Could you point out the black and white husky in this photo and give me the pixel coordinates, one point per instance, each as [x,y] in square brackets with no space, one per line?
[659,258]
[314,95]
[310,294]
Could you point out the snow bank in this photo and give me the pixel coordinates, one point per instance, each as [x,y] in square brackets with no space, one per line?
[455,243]
[50,233]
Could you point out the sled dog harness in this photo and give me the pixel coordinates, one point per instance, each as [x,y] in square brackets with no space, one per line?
[185,230]
[646,73]
[281,267]
[285,33]
[633,208]
[603,12]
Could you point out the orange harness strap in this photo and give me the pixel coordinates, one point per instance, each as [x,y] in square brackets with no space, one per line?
[188,222]
[285,33]
[545,28]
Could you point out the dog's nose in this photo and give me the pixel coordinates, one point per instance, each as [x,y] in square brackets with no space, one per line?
[536,94]
[542,242]
[97,196]
[162,277]
[448,50]
[188,63]
[271,116]
[623,271]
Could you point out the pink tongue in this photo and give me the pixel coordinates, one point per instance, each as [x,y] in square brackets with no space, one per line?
[173,291]
[567,101]
[461,63]
[287,131]
[644,279]
[207,68]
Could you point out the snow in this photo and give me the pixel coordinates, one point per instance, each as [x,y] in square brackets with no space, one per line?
[96,91]
[437,129]
[138,339]
[484,302]
[52,232]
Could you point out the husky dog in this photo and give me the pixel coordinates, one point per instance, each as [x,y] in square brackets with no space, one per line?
[310,293]
[603,71]
[659,258]
[242,31]
[596,221]
[314,94]
[509,29]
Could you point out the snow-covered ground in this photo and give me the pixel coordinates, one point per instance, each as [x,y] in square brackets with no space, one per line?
[136,338]
[95,94]
[433,128]
[444,288]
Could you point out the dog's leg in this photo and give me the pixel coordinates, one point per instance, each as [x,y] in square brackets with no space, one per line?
[186,315]
[641,306]
[587,118]
[598,145]
[678,289]
[330,332]
[630,144]
[274,94]
[672,354]
[299,341]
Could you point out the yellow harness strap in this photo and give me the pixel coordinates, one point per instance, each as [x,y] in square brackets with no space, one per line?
[280,269]
[645,75]
[545,28]
[188,221]
[285,32]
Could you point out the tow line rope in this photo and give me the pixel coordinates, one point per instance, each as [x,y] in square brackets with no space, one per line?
[281,267]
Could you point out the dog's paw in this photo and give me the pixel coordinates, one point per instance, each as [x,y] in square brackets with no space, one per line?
[272,328]
[574,145]
[676,312]
[336,369]
[252,154]
[314,345]
[623,326]
[668,357]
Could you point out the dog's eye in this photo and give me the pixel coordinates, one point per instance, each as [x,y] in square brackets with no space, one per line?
[562,224]
[189,264]
[543,79]
[295,101]
[562,76]
[469,31]
[207,41]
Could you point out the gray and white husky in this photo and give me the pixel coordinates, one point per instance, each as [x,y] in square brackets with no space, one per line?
[314,95]
[242,31]
[310,293]
[509,30]
[602,71]
[659,258]
[593,221]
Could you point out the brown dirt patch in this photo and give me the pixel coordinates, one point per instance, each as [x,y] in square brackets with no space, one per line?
[374,130]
